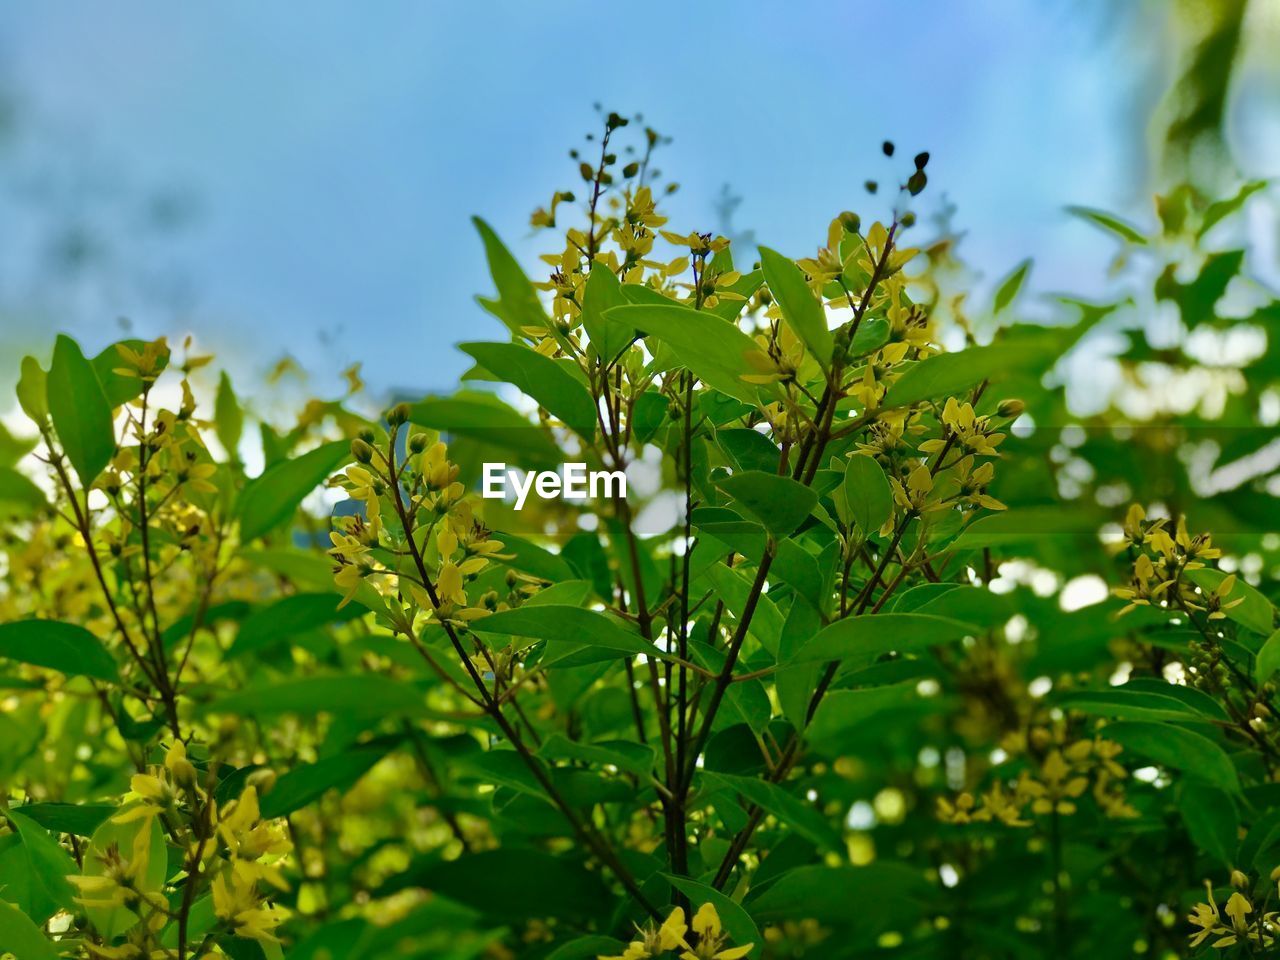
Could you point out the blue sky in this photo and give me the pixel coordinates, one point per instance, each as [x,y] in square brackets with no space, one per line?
[333,154]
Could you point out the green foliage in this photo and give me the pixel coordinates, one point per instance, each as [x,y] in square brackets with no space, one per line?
[819,684]
[80,411]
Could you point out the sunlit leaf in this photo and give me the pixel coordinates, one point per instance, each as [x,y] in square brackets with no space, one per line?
[66,647]
[80,411]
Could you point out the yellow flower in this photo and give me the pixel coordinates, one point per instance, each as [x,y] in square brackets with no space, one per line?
[914,494]
[1206,917]
[1217,608]
[236,901]
[706,924]
[176,762]
[102,892]
[699,244]
[363,486]
[197,477]
[348,579]
[959,812]
[246,834]
[449,584]
[970,431]
[437,471]
[654,942]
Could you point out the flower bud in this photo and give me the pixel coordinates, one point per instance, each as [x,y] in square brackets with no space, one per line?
[398,414]
[418,442]
[184,772]
[366,434]
[361,450]
[261,780]
[1012,407]
[1239,880]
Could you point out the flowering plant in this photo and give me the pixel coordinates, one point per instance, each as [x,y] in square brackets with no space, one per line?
[817,687]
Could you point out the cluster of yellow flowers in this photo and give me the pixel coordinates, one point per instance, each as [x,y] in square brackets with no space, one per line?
[233,845]
[710,940]
[423,491]
[1065,774]
[1159,561]
[1245,923]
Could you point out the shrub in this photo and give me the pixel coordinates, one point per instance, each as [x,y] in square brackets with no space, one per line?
[808,691]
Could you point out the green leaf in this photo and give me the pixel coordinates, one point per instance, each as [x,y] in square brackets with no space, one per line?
[486,418]
[1255,611]
[78,818]
[1211,819]
[735,590]
[33,390]
[780,503]
[531,558]
[839,894]
[65,647]
[120,388]
[800,816]
[1111,224]
[277,622]
[21,937]
[638,758]
[867,494]
[1219,209]
[272,498]
[872,334]
[1268,659]
[841,711]
[80,411]
[1023,525]
[517,304]
[308,782]
[950,374]
[313,571]
[867,637]
[1122,704]
[18,491]
[559,623]
[714,350]
[541,378]
[737,922]
[603,292]
[799,306]
[48,865]
[228,418]
[1008,287]
[1170,746]
[587,948]
[13,449]
[514,884]
[1197,700]
[366,696]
